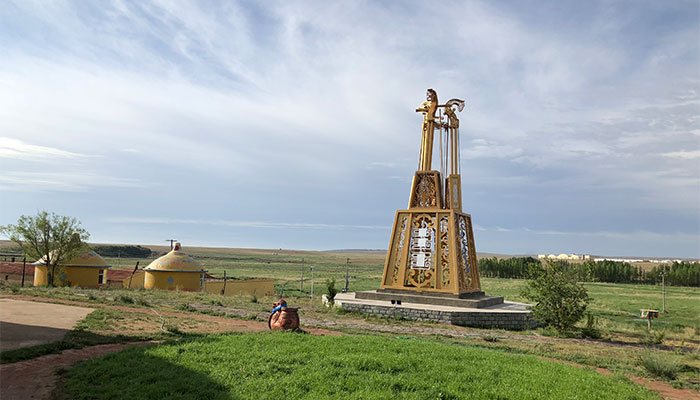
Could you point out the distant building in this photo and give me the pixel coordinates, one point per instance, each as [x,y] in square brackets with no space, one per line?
[86,269]
[175,270]
[564,256]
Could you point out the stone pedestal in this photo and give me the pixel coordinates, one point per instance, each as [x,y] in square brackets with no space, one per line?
[501,314]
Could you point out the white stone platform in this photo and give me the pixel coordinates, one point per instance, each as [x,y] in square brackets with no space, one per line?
[507,315]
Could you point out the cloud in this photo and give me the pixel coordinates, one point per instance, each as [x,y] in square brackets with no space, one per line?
[581,109]
[241,224]
[20,150]
[62,181]
[683,155]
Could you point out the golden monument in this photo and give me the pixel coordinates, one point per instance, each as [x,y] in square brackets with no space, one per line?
[432,243]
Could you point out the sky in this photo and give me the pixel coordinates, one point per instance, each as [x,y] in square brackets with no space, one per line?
[292,124]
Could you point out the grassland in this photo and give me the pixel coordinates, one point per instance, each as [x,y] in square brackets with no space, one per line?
[616,306]
[624,338]
[288,365]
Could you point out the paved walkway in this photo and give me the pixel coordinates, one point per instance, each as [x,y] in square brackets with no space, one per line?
[30,323]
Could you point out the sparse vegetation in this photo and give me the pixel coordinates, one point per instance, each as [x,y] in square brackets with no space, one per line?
[661,365]
[656,336]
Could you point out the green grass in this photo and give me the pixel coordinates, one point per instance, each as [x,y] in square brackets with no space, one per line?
[288,365]
[617,305]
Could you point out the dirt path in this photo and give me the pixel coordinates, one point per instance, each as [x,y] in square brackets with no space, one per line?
[36,378]
[27,323]
[229,324]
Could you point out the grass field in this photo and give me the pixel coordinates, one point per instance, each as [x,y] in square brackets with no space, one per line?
[617,306]
[289,365]
[623,344]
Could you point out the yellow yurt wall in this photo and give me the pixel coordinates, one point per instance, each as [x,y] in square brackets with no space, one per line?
[85,269]
[41,275]
[170,280]
[175,270]
[137,280]
[84,276]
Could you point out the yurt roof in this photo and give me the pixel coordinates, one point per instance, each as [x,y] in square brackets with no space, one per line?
[174,261]
[84,258]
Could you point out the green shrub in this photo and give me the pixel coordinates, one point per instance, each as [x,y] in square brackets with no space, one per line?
[185,307]
[125,298]
[142,302]
[656,337]
[331,290]
[660,364]
[560,301]
[591,329]
[173,330]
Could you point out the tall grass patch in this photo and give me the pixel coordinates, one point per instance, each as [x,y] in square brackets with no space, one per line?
[659,364]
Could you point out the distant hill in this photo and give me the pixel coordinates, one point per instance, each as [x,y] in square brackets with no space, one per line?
[356,251]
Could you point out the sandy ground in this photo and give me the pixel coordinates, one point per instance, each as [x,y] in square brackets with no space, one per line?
[30,323]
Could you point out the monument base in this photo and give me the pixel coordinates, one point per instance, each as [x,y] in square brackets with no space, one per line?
[501,314]
[466,300]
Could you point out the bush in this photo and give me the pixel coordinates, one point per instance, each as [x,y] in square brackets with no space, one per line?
[660,364]
[560,301]
[332,291]
[591,330]
[185,307]
[124,298]
[656,337]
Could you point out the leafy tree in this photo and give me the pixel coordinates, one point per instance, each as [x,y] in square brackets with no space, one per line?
[560,301]
[49,237]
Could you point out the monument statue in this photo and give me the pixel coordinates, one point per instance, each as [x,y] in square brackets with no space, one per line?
[428,109]
[431,271]
[432,244]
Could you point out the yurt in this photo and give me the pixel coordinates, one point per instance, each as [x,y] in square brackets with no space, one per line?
[85,269]
[175,270]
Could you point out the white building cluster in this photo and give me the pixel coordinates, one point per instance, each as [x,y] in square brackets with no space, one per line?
[586,257]
[564,256]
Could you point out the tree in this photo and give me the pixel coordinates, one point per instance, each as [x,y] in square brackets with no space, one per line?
[332,291]
[48,237]
[560,301]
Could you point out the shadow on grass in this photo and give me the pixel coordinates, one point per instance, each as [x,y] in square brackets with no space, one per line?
[77,339]
[162,379]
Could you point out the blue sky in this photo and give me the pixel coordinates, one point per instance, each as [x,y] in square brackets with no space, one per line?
[292,124]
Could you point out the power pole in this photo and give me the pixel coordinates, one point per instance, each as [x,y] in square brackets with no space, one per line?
[24,266]
[347,277]
[132,274]
[301,287]
[171,242]
[663,286]
[312,282]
